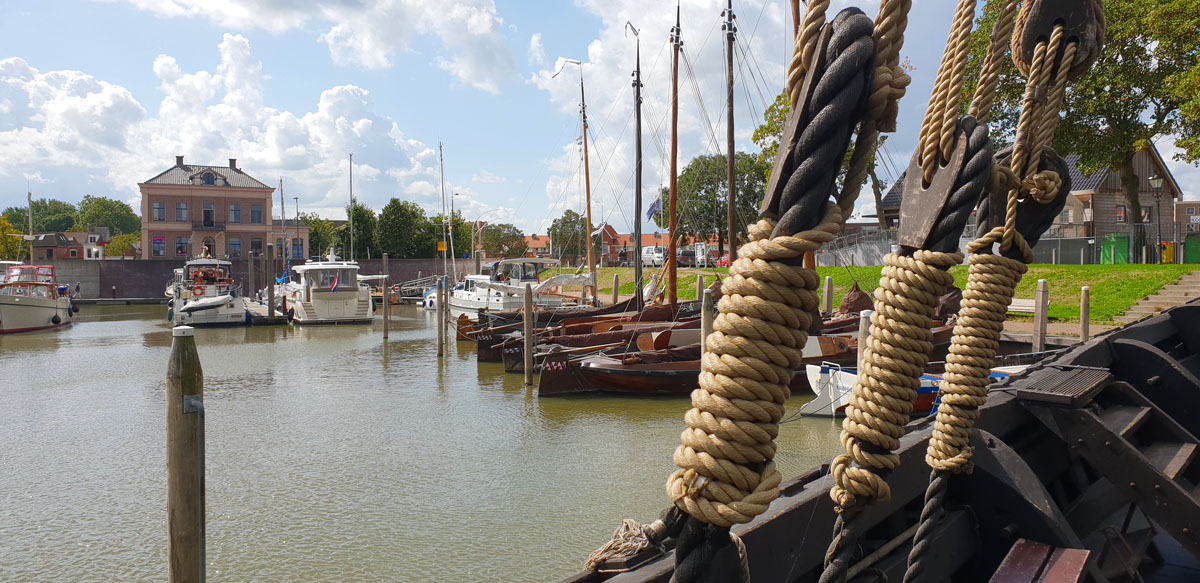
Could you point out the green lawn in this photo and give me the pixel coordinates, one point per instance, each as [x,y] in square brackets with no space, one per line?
[1114,288]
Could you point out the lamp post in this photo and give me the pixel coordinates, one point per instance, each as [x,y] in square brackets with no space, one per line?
[476,235]
[1156,182]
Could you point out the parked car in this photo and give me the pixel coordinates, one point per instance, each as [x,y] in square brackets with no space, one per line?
[686,258]
[723,261]
[653,256]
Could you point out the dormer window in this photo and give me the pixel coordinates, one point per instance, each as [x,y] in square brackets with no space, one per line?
[209,178]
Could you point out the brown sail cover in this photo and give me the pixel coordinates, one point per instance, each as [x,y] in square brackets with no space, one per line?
[855,300]
[677,354]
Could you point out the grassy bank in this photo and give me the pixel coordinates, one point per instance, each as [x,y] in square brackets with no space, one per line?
[1114,288]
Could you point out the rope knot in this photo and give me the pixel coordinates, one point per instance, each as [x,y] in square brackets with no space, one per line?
[1042,186]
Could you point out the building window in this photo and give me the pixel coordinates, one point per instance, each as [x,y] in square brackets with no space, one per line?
[1191,210]
[235,213]
[256,246]
[235,247]
[279,245]
[297,247]
[210,178]
[160,247]
[210,214]
[1146,214]
[74,253]
[256,214]
[159,211]
[181,211]
[1121,213]
[181,245]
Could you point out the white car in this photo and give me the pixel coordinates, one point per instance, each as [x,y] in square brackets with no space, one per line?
[653,256]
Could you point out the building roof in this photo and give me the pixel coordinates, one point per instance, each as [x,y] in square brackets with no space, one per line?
[1081,181]
[53,240]
[891,200]
[182,175]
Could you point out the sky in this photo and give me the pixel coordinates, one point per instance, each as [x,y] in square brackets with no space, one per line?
[97,96]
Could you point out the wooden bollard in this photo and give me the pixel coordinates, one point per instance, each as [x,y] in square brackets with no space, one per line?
[528,334]
[707,315]
[699,287]
[387,295]
[441,328]
[1143,254]
[1085,312]
[185,459]
[864,335]
[1054,256]
[827,296]
[1041,303]
[270,275]
[249,291]
[263,270]
[616,288]
[1083,255]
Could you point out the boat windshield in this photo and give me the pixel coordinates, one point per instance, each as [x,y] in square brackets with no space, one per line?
[518,271]
[34,273]
[207,274]
[332,279]
[29,291]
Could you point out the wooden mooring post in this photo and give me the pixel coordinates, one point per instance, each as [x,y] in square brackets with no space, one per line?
[827,295]
[249,291]
[616,287]
[1041,303]
[185,459]
[707,315]
[528,318]
[864,334]
[441,315]
[269,274]
[1085,312]
[387,295]
[699,287]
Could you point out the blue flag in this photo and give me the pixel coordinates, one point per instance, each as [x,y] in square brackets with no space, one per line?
[655,208]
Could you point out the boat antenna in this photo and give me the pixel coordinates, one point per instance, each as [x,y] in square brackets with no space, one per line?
[29,195]
[351,213]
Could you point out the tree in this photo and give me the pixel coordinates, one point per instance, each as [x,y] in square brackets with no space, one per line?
[98,211]
[703,194]
[12,248]
[49,216]
[460,230]
[122,245]
[1143,87]
[767,134]
[403,231]
[321,233]
[503,240]
[364,232]
[566,235]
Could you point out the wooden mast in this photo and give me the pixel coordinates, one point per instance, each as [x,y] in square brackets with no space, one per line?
[672,244]
[637,176]
[587,182]
[731,195]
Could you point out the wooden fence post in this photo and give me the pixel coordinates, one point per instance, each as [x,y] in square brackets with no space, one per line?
[1083,255]
[1040,305]
[528,335]
[1085,312]
[1054,256]
[185,459]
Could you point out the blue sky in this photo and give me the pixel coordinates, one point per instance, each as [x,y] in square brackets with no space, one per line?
[98,96]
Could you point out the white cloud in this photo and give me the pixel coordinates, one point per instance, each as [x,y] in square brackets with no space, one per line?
[485,177]
[370,34]
[537,52]
[69,122]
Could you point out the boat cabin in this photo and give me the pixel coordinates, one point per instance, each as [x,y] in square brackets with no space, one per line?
[328,276]
[35,281]
[523,270]
[207,272]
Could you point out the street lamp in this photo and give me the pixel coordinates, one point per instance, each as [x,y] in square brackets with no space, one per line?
[1156,183]
[476,235]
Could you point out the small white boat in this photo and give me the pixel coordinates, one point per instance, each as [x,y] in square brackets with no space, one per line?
[328,292]
[203,294]
[31,299]
[501,287]
[833,385]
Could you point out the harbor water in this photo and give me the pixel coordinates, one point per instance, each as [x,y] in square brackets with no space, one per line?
[330,456]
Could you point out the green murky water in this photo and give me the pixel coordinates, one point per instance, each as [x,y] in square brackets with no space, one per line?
[330,457]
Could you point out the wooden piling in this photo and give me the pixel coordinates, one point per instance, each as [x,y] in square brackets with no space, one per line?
[440,317]
[864,335]
[1085,312]
[528,317]
[185,459]
[269,273]
[616,288]
[827,295]
[263,270]
[249,291]
[1041,302]
[699,286]
[707,315]
[387,295]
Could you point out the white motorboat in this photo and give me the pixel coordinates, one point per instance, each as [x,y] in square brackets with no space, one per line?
[833,385]
[328,292]
[203,293]
[501,288]
[31,299]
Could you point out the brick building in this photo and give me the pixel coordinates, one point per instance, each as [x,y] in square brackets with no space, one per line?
[187,209]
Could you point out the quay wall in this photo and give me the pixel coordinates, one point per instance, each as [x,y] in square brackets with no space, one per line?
[148,278]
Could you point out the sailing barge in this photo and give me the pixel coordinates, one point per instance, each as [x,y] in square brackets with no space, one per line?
[1091,449]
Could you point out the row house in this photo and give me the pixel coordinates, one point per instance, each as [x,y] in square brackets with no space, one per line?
[192,210]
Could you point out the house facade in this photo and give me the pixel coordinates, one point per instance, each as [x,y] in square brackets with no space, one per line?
[188,210]
[54,246]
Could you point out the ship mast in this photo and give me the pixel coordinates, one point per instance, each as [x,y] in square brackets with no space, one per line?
[442,165]
[672,244]
[637,174]
[730,32]
[351,213]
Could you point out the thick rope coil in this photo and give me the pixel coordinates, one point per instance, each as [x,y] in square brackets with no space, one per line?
[726,473]
[892,362]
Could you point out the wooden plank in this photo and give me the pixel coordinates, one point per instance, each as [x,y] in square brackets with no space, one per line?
[1020,305]
[1065,566]
[1170,457]
[1023,562]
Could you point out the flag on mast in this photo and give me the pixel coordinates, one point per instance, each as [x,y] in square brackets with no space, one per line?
[655,208]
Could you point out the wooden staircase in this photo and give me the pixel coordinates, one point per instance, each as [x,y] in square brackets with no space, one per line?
[1180,292]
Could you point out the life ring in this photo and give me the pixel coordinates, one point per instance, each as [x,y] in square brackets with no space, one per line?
[198,291]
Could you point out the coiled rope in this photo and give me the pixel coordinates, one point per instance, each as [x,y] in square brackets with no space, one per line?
[992,278]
